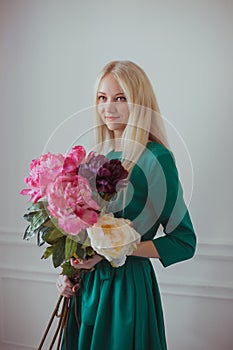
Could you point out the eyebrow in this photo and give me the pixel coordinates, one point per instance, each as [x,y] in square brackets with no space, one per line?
[103,93]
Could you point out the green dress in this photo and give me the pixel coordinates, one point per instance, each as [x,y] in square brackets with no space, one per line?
[120,308]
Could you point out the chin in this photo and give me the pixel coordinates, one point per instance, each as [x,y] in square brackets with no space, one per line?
[112,127]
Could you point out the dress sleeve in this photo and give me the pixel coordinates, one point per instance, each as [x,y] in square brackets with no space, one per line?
[179,240]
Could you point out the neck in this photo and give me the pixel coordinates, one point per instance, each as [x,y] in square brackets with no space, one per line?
[117,140]
[117,145]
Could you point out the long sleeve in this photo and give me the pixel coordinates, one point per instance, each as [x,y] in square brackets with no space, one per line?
[179,241]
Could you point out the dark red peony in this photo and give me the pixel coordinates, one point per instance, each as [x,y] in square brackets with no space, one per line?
[110,177]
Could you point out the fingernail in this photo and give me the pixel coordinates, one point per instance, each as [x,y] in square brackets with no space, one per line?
[76,261]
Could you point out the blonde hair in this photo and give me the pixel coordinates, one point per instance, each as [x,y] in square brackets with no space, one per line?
[144,123]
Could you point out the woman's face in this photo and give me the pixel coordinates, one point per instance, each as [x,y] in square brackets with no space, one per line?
[112,105]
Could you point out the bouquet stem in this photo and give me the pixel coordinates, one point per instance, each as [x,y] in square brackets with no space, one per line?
[62,324]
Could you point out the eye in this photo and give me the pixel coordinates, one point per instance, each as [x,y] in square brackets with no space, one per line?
[121,99]
[101,98]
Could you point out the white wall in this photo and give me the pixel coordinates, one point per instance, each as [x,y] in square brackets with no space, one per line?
[51,52]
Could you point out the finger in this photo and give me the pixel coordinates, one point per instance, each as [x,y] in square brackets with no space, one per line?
[76,287]
[64,285]
[65,291]
[64,280]
[67,295]
[88,264]
[77,263]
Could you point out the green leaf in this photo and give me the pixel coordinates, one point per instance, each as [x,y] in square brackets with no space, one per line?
[59,252]
[70,248]
[40,235]
[53,235]
[29,233]
[39,206]
[52,223]
[29,216]
[80,238]
[80,251]
[86,242]
[90,251]
[48,251]
[68,270]
[35,209]
[38,220]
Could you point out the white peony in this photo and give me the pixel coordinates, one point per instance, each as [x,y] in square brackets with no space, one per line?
[113,238]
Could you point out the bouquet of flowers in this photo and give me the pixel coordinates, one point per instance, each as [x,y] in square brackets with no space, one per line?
[69,197]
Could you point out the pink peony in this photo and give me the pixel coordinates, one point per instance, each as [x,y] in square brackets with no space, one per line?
[73,159]
[70,201]
[33,182]
[51,166]
[43,172]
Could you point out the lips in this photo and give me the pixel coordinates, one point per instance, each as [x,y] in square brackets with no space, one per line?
[111,118]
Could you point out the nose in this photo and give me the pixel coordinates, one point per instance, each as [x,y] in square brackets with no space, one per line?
[110,107]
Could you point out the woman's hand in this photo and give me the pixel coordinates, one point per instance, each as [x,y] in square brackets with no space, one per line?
[65,287]
[146,249]
[86,264]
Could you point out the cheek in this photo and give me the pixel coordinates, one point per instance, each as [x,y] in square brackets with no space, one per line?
[124,111]
[100,108]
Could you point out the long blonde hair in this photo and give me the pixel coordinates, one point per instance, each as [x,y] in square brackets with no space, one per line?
[144,123]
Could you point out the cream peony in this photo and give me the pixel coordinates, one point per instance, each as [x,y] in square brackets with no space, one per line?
[113,238]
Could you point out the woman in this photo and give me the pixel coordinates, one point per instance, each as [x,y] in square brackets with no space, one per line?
[120,308]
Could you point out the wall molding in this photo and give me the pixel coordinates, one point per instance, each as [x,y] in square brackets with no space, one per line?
[29,275]
[171,287]
[215,250]
[8,345]
[209,250]
[8,237]
[198,290]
